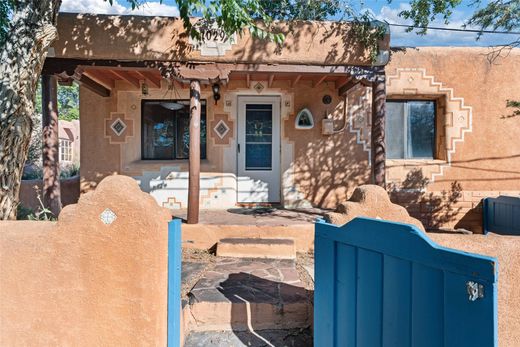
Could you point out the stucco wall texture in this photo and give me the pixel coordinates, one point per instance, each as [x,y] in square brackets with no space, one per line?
[79,282]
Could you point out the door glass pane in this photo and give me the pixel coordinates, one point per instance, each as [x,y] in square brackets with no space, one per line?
[394,129]
[259,136]
[421,134]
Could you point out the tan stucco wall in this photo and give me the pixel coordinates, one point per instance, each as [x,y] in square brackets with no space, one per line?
[79,282]
[316,169]
[98,157]
[477,155]
[161,38]
[488,157]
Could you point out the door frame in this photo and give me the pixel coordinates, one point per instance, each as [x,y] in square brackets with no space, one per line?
[276,100]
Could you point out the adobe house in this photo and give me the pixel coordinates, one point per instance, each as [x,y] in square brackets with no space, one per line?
[299,125]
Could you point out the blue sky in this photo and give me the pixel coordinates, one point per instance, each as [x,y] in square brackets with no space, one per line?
[381,9]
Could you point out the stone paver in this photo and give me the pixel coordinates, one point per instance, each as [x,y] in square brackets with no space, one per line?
[264,338]
[240,293]
[191,270]
[259,280]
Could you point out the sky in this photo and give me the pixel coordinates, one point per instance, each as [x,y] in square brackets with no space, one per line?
[381,9]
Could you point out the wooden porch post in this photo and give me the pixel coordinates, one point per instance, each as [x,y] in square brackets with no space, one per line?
[50,151]
[378,127]
[194,179]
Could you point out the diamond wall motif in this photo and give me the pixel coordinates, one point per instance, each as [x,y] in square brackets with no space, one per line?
[221,129]
[118,126]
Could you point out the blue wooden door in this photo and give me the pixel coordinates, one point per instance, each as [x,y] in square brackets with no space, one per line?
[174,283]
[380,283]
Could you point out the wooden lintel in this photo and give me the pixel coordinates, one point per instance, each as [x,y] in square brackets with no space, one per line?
[93,86]
[320,81]
[127,77]
[296,80]
[270,82]
[348,86]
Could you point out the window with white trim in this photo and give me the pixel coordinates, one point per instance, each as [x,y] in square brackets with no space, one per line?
[410,129]
[65,150]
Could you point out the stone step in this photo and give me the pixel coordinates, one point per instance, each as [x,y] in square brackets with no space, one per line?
[250,295]
[289,338]
[257,248]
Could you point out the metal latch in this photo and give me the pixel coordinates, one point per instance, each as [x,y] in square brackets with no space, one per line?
[475,290]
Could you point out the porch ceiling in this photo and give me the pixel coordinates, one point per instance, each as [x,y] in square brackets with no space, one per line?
[211,73]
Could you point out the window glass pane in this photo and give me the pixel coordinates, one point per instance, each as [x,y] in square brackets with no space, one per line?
[421,129]
[394,134]
[158,132]
[165,132]
[259,129]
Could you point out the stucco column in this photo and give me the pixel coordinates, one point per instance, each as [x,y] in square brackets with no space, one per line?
[194,179]
[50,151]
[378,127]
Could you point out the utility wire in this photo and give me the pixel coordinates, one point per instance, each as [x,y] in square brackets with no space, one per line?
[456,29]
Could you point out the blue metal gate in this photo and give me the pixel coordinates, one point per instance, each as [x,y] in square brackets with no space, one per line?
[174,283]
[380,283]
[502,215]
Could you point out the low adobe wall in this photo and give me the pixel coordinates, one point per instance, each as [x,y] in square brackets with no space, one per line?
[69,188]
[80,282]
[454,208]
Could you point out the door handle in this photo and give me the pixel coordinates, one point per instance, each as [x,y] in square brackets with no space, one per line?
[238,148]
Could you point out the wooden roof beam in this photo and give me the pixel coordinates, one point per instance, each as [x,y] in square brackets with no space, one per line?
[271,80]
[92,85]
[320,81]
[348,86]
[100,78]
[127,77]
[153,78]
[295,80]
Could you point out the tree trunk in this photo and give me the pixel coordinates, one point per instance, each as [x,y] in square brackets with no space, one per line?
[51,148]
[31,31]
[378,128]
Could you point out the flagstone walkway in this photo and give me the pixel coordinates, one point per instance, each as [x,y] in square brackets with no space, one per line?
[250,302]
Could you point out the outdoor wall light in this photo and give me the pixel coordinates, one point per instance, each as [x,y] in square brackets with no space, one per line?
[216,92]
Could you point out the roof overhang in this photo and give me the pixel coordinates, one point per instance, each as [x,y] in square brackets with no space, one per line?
[138,38]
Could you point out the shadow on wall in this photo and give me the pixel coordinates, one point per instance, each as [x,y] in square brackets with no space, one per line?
[146,40]
[434,209]
[252,300]
[328,168]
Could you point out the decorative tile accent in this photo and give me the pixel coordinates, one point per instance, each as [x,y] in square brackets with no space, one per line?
[118,127]
[107,216]
[259,87]
[221,129]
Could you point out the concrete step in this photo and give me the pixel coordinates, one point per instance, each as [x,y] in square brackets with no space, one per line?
[250,295]
[257,248]
[264,338]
